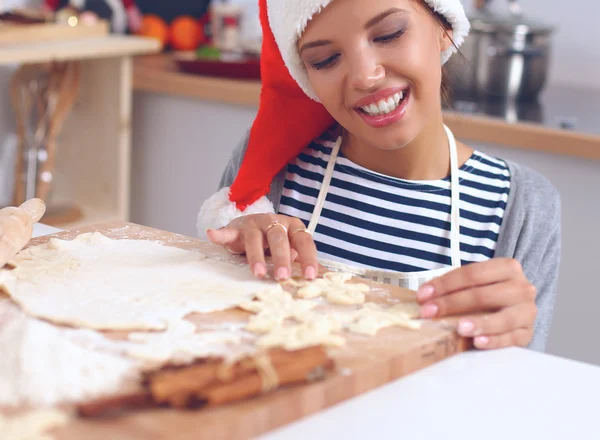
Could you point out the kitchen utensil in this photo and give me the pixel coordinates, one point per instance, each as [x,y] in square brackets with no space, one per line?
[42,96]
[25,85]
[504,56]
[63,92]
[8,156]
[236,66]
[16,226]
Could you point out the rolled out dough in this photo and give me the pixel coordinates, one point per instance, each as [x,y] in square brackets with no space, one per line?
[100,283]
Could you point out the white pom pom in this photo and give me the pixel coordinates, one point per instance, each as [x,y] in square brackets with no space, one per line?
[218,211]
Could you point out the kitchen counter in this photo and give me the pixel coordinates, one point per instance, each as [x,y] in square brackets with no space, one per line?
[565,121]
[496,395]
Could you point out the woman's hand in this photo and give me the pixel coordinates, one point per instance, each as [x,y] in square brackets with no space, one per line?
[285,237]
[496,290]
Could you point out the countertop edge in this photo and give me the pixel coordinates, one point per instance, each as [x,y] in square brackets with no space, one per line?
[156,74]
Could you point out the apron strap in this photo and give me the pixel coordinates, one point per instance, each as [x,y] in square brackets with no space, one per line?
[455,201]
[316,215]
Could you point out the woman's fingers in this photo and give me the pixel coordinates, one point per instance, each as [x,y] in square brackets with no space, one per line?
[303,242]
[229,237]
[481,298]
[520,337]
[494,324]
[279,245]
[285,237]
[487,272]
[254,244]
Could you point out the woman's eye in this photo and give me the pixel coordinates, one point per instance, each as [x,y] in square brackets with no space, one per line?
[389,38]
[326,63]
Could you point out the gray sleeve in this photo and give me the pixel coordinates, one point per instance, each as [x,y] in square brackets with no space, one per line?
[531,234]
[235,161]
[234,164]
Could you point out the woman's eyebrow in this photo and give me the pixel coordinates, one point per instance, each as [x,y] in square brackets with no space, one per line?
[372,22]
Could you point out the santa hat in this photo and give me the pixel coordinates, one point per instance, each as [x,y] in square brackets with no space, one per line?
[289,115]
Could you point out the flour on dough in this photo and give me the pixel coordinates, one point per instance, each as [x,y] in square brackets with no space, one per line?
[33,425]
[316,331]
[334,287]
[373,317]
[272,308]
[100,283]
[44,365]
[181,344]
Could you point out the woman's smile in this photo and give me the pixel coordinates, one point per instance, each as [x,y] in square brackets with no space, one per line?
[385,107]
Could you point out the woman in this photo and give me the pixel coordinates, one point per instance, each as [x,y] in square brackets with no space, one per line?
[349,162]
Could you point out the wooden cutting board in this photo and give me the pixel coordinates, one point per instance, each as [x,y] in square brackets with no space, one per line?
[363,364]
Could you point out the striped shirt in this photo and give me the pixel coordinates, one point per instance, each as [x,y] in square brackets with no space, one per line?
[381,222]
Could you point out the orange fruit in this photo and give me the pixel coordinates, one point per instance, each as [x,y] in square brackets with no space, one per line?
[155,27]
[185,33]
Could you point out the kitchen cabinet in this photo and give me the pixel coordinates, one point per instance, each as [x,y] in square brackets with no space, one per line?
[93,158]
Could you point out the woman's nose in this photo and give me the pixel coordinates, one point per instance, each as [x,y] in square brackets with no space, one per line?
[366,71]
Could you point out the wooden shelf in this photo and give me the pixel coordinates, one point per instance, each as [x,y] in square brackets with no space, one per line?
[109,46]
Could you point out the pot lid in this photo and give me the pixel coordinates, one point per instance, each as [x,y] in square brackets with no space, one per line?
[486,21]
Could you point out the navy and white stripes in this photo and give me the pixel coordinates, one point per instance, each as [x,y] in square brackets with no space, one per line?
[376,221]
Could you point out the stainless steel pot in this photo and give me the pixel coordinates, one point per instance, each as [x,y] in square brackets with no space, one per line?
[503,57]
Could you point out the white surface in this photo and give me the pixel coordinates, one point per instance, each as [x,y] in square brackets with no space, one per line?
[503,394]
[40,229]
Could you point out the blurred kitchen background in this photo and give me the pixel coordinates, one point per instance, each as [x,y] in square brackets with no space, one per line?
[529,91]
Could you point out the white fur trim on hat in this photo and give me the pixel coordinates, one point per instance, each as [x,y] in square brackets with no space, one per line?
[288,20]
[217,211]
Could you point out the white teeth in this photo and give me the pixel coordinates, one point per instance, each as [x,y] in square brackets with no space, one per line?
[384,106]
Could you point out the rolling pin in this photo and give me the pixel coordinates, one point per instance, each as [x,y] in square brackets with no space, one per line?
[16,227]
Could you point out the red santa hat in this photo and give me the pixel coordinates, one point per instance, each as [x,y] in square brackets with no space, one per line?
[289,114]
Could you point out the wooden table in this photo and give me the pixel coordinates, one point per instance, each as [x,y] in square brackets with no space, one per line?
[363,364]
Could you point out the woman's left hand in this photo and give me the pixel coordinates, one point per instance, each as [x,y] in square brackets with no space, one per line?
[496,290]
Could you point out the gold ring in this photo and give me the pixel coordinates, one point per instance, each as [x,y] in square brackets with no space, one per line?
[232,252]
[274,224]
[300,230]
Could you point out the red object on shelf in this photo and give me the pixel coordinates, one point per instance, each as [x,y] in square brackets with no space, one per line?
[244,67]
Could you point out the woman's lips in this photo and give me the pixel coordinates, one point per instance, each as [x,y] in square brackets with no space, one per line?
[377,116]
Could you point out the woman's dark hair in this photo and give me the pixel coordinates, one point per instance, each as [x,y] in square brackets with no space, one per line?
[446,26]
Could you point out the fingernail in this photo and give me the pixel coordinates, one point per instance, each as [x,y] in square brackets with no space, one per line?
[282,273]
[465,328]
[481,341]
[260,270]
[429,310]
[310,273]
[425,292]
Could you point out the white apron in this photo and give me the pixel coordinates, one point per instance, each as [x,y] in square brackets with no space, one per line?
[409,280]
